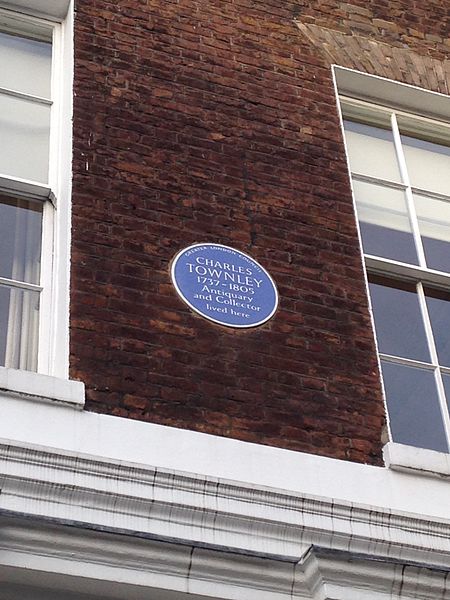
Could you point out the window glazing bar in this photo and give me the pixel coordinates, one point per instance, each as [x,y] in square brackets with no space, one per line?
[20,284]
[435,360]
[408,193]
[430,194]
[406,272]
[427,323]
[23,96]
[407,362]
[377,181]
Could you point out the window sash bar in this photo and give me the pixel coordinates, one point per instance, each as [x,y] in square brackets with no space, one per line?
[434,359]
[399,186]
[20,284]
[378,181]
[407,272]
[407,362]
[411,362]
[430,194]
[23,96]
[408,193]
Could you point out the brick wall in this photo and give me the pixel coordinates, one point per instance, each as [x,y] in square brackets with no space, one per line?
[215,121]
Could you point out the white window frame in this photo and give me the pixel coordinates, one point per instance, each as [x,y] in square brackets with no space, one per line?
[365,94]
[53,342]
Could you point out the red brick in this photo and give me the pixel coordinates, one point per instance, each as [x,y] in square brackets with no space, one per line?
[221,125]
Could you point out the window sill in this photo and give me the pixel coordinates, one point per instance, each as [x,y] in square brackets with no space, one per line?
[41,387]
[399,457]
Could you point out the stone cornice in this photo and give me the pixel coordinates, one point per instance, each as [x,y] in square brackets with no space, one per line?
[202,510]
[78,558]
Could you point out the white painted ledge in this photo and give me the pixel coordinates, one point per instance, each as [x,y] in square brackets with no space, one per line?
[399,457]
[25,384]
[64,428]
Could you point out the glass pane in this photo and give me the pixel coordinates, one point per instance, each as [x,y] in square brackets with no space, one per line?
[19,325]
[446,380]
[25,64]
[24,135]
[434,224]
[438,303]
[384,222]
[398,321]
[371,151]
[20,239]
[428,164]
[413,406]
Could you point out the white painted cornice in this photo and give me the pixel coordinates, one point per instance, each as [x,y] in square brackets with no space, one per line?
[331,575]
[105,565]
[116,508]
[168,505]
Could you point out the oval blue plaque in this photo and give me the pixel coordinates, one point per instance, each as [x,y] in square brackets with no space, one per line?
[224,285]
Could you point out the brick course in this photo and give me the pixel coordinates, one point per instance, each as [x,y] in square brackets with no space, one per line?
[215,121]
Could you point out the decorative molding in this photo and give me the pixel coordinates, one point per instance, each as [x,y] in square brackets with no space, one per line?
[348,576]
[96,558]
[72,559]
[194,509]
[152,511]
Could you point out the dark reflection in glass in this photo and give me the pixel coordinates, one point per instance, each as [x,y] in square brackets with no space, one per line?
[398,321]
[434,225]
[413,405]
[384,222]
[19,321]
[437,254]
[388,243]
[438,303]
[20,241]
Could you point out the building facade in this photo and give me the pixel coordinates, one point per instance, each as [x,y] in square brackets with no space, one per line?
[149,452]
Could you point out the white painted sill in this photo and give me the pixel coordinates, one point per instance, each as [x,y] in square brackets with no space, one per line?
[399,457]
[27,384]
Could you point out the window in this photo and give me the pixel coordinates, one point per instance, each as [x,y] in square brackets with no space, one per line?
[29,162]
[400,169]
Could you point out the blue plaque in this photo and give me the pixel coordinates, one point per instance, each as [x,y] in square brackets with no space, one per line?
[224,285]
